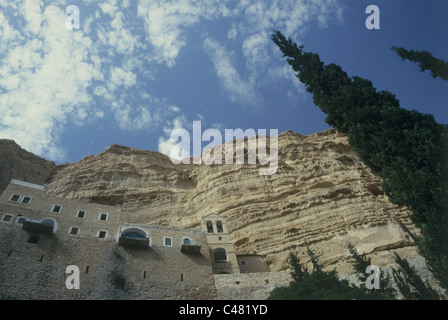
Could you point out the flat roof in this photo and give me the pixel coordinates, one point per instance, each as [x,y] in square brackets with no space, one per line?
[28,184]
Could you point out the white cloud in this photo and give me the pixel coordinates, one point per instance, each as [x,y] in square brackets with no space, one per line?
[7,33]
[166,144]
[43,80]
[239,89]
[232,33]
[120,77]
[166,23]
[131,118]
[255,50]
[51,76]
[253,22]
[32,13]
[115,34]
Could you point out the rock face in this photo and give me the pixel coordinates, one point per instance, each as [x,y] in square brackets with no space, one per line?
[322,194]
[21,164]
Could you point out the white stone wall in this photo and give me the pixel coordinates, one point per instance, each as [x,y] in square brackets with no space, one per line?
[249,286]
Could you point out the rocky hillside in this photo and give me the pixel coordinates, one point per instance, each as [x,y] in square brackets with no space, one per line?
[18,163]
[322,194]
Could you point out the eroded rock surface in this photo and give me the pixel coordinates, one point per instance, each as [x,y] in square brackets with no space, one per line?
[20,164]
[322,194]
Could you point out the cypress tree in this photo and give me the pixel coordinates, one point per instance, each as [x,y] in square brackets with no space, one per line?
[315,284]
[407,149]
[360,263]
[410,284]
[425,60]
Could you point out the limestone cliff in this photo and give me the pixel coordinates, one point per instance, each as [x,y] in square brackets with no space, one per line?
[18,163]
[322,194]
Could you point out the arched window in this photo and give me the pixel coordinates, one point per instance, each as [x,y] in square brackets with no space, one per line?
[186,241]
[133,237]
[47,222]
[209,227]
[133,233]
[219,227]
[220,255]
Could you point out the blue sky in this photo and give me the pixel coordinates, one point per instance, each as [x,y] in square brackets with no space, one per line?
[136,70]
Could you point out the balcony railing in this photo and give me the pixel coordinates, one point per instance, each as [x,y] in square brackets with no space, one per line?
[132,240]
[190,247]
[40,226]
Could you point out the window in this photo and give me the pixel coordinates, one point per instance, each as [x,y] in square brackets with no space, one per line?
[186,241]
[74,230]
[209,227]
[220,238]
[81,214]
[220,255]
[134,234]
[102,235]
[56,209]
[167,241]
[15,198]
[103,216]
[21,220]
[48,222]
[7,217]
[34,239]
[26,200]
[219,227]
[243,262]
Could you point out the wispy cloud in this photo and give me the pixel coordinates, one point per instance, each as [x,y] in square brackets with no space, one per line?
[45,73]
[166,145]
[238,88]
[249,34]
[166,24]
[51,76]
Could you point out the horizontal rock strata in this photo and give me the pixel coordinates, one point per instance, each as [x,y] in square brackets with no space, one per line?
[322,194]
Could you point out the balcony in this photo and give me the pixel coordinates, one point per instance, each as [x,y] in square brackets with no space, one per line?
[40,226]
[189,246]
[134,238]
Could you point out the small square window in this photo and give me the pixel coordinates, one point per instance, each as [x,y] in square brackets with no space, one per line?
[103,217]
[56,209]
[15,198]
[33,239]
[26,200]
[167,241]
[7,217]
[74,230]
[219,238]
[243,262]
[102,235]
[21,220]
[81,214]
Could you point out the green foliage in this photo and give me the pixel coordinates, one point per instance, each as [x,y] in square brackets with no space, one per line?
[407,149]
[117,253]
[117,279]
[410,285]
[298,270]
[360,263]
[426,61]
[315,284]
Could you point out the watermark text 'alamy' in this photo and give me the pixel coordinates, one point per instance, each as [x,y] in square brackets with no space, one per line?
[212,154]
